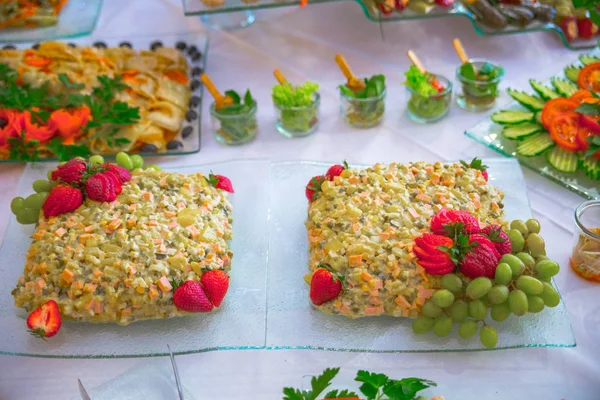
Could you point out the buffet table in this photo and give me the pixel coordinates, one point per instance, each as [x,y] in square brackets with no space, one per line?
[302,43]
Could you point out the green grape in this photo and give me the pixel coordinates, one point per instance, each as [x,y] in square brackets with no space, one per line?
[422,325]
[485,300]
[520,226]
[22,219]
[49,174]
[452,282]
[459,311]
[442,326]
[478,287]
[541,258]
[533,225]
[442,298]
[527,259]
[137,161]
[36,200]
[517,302]
[41,186]
[503,274]
[536,245]
[124,160]
[499,312]
[477,310]
[431,310]
[498,294]
[550,295]
[17,204]
[468,329]
[515,263]
[96,160]
[517,240]
[32,215]
[536,304]
[488,336]
[546,269]
[153,166]
[529,285]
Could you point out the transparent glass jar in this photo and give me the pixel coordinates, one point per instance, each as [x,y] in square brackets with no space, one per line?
[362,113]
[234,129]
[585,260]
[474,95]
[432,108]
[298,121]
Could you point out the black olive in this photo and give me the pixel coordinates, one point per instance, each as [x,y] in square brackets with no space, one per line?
[197,57]
[35,46]
[187,131]
[195,84]
[196,71]
[3,123]
[180,46]
[71,45]
[191,115]
[174,145]
[156,45]
[126,44]
[99,45]
[192,50]
[149,148]
[9,47]
[194,101]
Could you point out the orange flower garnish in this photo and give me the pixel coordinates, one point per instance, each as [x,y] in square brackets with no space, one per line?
[69,123]
[35,130]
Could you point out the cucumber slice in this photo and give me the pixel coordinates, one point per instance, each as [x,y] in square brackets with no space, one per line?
[522,131]
[563,160]
[588,59]
[528,101]
[510,117]
[572,72]
[591,166]
[538,118]
[535,145]
[564,87]
[544,91]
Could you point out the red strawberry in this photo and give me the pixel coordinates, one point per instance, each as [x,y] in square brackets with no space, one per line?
[190,297]
[101,187]
[435,257]
[216,283]
[498,238]
[336,170]
[62,199]
[122,173]
[437,268]
[324,285]
[449,217]
[477,164]
[431,243]
[116,180]
[314,187]
[70,172]
[481,259]
[220,182]
[45,321]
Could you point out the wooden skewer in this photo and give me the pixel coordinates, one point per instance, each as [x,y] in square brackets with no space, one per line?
[280,77]
[353,82]
[415,60]
[220,100]
[460,50]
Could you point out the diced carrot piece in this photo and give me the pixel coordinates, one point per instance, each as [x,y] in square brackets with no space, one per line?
[374,292]
[164,284]
[88,228]
[153,292]
[140,289]
[153,222]
[60,232]
[376,284]
[89,287]
[89,305]
[366,276]
[131,223]
[38,235]
[374,310]
[173,224]
[98,306]
[157,241]
[114,224]
[147,196]
[401,301]
[67,275]
[355,260]
[77,285]
[97,272]
[413,213]
[132,207]
[84,237]
[40,283]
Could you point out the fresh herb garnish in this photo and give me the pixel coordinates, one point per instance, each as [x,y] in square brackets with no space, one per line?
[594,145]
[461,245]
[476,163]
[22,149]
[318,385]
[238,107]
[67,152]
[289,96]
[419,82]
[236,130]
[374,87]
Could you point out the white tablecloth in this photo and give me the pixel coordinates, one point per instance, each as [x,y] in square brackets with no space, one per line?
[302,43]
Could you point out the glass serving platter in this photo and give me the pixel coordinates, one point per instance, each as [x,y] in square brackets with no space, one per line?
[191,141]
[77,18]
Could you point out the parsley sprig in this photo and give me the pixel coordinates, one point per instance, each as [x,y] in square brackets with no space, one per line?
[461,245]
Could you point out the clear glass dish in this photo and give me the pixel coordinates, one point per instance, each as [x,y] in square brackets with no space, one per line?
[362,113]
[234,129]
[77,18]
[585,260]
[190,133]
[428,109]
[477,95]
[298,121]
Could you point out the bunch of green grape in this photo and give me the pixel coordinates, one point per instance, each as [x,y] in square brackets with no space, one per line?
[522,284]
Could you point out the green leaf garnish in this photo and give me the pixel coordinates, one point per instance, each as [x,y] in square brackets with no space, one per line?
[318,385]
[289,96]
[419,82]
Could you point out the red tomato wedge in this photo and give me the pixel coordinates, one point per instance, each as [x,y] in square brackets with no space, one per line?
[582,137]
[564,129]
[580,95]
[589,77]
[554,107]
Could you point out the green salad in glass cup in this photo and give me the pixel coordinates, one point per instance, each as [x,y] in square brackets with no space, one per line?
[430,95]
[479,81]
[235,123]
[297,108]
[364,108]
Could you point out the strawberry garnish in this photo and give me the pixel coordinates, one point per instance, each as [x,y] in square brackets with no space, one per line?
[477,164]
[336,170]
[220,182]
[498,238]
[190,297]
[123,174]
[62,199]
[443,223]
[102,187]
[314,187]
[479,257]
[432,253]
[325,285]
[116,180]
[70,172]
[437,268]
[215,283]
[45,321]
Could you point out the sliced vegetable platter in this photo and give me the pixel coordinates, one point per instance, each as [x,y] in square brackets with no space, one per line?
[546,133]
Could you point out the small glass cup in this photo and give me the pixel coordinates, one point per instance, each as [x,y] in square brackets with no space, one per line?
[298,121]
[585,260]
[362,113]
[432,108]
[474,95]
[234,129]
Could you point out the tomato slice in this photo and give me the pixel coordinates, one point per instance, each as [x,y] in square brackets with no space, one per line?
[564,130]
[581,95]
[554,107]
[582,137]
[589,77]
[590,122]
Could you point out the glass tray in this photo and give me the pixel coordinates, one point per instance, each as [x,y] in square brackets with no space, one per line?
[77,18]
[191,144]
[268,305]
